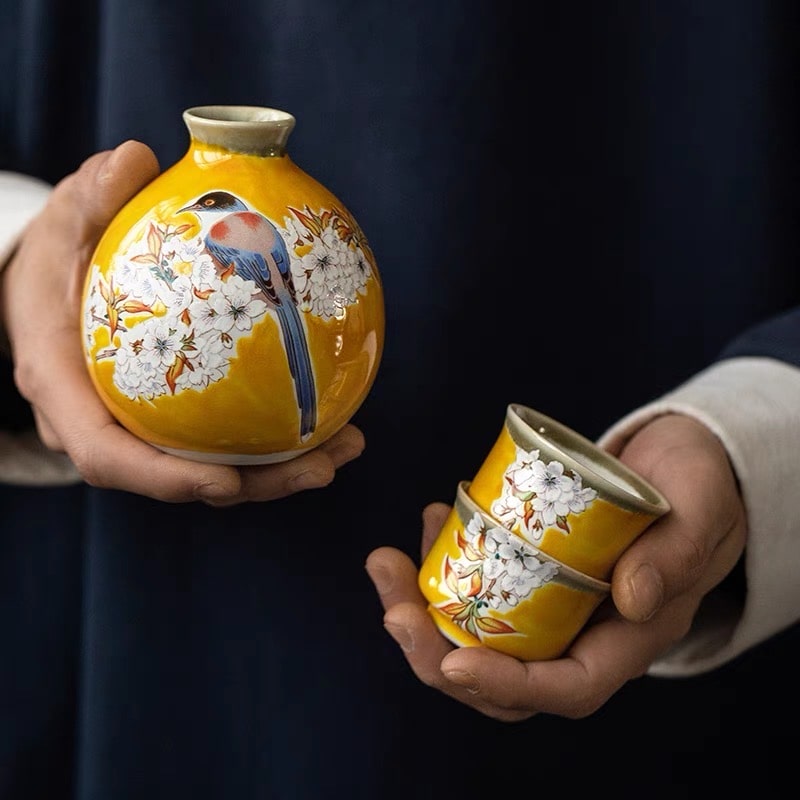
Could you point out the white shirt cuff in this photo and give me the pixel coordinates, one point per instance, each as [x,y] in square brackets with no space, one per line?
[21,199]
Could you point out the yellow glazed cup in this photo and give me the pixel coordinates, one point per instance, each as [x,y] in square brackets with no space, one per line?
[487,586]
[564,494]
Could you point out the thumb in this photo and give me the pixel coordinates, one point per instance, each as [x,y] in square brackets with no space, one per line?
[102,185]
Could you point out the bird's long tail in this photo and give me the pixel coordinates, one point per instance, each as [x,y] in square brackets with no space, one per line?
[296,344]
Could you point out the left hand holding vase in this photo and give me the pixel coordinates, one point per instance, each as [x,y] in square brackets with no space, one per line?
[40,303]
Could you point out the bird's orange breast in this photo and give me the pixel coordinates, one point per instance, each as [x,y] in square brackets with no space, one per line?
[244,230]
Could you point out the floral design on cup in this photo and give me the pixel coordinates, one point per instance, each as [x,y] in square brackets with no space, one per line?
[172,317]
[538,496]
[495,570]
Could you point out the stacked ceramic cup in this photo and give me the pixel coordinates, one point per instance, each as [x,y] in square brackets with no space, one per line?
[525,556]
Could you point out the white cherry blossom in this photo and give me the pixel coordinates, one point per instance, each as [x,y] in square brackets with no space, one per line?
[235,307]
[537,496]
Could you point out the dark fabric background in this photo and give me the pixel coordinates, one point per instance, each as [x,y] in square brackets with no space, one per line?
[574,206]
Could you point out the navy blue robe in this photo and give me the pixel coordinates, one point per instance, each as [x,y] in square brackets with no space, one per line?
[575,209]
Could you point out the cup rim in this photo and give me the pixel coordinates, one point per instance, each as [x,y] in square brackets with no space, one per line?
[632,492]
[465,501]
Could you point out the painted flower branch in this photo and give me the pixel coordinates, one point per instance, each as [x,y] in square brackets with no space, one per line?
[173,319]
[495,571]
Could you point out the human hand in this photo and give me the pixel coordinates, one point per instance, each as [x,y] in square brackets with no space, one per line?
[40,303]
[657,587]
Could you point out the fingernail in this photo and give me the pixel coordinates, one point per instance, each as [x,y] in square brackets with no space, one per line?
[212,493]
[648,590]
[111,162]
[382,578]
[466,679]
[308,480]
[402,636]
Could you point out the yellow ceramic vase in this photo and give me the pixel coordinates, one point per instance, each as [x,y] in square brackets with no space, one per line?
[233,311]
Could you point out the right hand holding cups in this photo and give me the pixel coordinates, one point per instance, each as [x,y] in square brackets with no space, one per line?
[657,586]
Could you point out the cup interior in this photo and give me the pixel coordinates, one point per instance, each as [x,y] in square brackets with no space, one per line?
[531,430]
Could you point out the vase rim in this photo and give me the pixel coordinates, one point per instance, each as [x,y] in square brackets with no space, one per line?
[258,130]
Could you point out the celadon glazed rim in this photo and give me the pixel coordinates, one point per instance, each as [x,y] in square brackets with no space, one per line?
[254,130]
[466,508]
[532,430]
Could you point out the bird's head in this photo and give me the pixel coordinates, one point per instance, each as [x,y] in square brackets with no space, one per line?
[216,201]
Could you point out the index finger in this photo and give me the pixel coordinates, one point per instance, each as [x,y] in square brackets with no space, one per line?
[406,619]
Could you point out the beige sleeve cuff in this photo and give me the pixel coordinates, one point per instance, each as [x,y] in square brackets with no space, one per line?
[25,461]
[753,406]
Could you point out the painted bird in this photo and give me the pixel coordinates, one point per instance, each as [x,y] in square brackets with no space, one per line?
[248,244]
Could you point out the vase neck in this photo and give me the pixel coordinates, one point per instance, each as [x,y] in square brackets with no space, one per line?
[253,130]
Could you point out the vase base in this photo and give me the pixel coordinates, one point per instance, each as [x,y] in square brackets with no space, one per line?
[234,459]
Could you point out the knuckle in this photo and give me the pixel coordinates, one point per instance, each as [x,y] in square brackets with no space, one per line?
[692,553]
[583,707]
[432,680]
[26,378]
[88,467]
[48,438]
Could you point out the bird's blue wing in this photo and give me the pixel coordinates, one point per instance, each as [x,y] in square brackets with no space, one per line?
[248,265]
[281,256]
